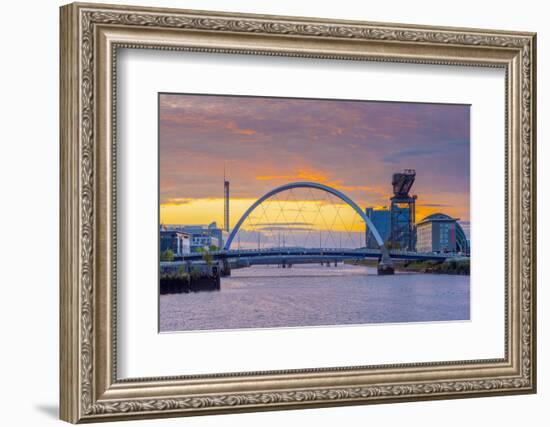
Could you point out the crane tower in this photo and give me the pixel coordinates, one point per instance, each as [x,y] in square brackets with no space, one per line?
[403,211]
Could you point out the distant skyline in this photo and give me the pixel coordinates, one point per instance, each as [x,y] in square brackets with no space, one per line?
[353,146]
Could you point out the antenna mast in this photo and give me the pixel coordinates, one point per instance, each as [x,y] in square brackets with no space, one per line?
[226,225]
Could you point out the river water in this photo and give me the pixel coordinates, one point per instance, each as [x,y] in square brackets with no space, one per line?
[313,295]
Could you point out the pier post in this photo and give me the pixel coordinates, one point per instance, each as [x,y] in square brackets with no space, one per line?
[385,269]
[225,268]
[385,265]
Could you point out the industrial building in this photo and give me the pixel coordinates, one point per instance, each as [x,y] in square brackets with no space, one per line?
[202,236]
[441,233]
[177,241]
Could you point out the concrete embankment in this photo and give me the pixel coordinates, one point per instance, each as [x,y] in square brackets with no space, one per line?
[178,277]
[457,266]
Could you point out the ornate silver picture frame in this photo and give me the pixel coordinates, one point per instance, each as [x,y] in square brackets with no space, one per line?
[91,37]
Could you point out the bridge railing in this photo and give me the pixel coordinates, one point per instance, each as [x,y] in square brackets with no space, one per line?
[307,251]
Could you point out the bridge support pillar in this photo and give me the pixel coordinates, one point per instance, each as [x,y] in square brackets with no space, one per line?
[385,266]
[225,268]
[385,269]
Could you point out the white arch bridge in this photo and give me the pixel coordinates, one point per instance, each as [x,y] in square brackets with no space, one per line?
[299,255]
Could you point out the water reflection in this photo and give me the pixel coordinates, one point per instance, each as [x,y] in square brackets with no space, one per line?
[313,295]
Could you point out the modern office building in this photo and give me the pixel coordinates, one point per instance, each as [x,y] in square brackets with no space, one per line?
[177,241]
[202,236]
[381,219]
[441,233]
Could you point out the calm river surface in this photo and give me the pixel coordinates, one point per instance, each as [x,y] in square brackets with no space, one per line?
[312,295]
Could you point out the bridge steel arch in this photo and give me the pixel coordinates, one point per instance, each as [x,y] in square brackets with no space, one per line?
[318,186]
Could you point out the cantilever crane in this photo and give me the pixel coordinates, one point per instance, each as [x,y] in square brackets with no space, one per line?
[403,210]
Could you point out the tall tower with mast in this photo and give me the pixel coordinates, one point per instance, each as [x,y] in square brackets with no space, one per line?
[226,225]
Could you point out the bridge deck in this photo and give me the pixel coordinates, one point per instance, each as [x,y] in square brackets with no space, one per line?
[316,255]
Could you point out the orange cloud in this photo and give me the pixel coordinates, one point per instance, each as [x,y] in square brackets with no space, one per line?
[320,177]
[301,175]
[232,126]
[176,201]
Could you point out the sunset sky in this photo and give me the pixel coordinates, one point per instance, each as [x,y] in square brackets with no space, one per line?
[353,146]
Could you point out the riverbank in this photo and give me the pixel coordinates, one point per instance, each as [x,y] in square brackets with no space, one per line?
[174,279]
[459,266]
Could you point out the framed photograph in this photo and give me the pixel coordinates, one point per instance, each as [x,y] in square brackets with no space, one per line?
[266,212]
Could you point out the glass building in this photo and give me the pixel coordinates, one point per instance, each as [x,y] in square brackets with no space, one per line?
[381,218]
